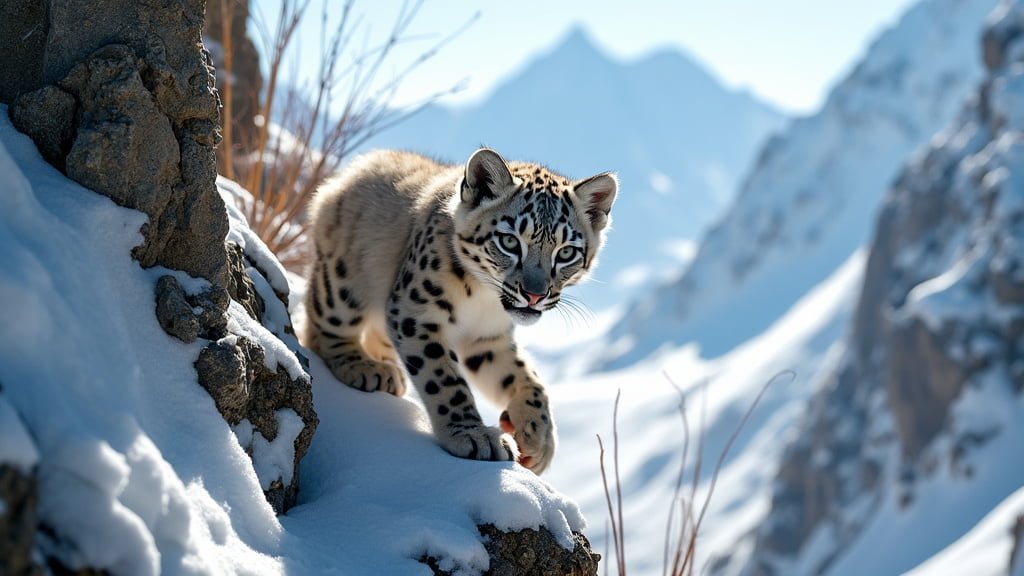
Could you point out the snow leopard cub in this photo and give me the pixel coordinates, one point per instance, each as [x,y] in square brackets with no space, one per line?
[427,267]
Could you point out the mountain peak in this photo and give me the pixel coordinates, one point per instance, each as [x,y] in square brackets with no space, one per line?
[578,42]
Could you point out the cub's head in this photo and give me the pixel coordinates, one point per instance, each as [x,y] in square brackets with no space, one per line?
[527,232]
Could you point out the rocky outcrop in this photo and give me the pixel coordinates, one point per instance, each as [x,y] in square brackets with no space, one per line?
[17,522]
[808,202]
[19,494]
[529,552]
[23,29]
[939,314]
[124,103]
[234,371]
[126,106]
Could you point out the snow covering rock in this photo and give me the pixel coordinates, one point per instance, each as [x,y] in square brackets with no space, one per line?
[915,436]
[125,106]
[529,552]
[808,202]
[130,112]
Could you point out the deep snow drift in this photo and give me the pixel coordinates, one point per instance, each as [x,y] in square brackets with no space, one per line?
[139,473]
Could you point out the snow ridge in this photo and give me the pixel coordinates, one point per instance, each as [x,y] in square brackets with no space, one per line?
[808,201]
[915,436]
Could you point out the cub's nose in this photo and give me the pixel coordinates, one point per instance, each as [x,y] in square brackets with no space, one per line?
[532,298]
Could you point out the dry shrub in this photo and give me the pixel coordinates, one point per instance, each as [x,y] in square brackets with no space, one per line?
[309,134]
[682,530]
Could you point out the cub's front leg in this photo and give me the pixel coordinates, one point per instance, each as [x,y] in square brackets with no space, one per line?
[417,330]
[496,367]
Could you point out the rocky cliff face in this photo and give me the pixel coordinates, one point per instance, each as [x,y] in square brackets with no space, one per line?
[932,375]
[126,106]
[808,201]
[119,96]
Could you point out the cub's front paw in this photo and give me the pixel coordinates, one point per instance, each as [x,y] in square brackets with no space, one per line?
[478,443]
[370,376]
[528,419]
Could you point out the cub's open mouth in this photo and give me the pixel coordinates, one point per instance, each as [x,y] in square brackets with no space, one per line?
[521,315]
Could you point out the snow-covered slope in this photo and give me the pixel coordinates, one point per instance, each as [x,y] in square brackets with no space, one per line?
[651,430]
[138,473]
[677,138]
[985,549]
[807,203]
[916,435]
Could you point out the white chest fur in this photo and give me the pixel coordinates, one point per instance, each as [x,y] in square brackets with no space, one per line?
[479,315]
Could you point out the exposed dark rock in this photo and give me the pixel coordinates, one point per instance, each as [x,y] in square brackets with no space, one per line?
[187,317]
[222,371]
[58,569]
[531,552]
[240,286]
[174,312]
[212,303]
[17,522]
[120,95]
[47,115]
[142,125]
[243,388]
[23,30]
[931,321]
[922,382]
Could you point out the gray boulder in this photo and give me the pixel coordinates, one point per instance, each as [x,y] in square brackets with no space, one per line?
[532,552]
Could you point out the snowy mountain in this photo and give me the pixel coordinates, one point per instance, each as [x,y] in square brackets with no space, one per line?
[808,201]
[915,435]
[677,138]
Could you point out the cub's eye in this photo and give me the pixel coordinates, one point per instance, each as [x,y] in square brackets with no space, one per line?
[509,242]
[567,254]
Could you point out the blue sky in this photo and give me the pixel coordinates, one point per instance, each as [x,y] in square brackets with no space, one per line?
[788,52]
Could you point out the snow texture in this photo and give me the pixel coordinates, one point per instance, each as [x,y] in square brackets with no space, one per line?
[138,472]
[272,459]
[16,446]
[809,200]
[951,228]
[251,244]
[651,431]
[276,352]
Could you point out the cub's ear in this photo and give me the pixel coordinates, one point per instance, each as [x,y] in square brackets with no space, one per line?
[597,194]
[487,176]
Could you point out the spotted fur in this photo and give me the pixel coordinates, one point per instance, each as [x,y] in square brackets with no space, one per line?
[423,269]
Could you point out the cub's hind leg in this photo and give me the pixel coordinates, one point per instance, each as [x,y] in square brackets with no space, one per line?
[338,328]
